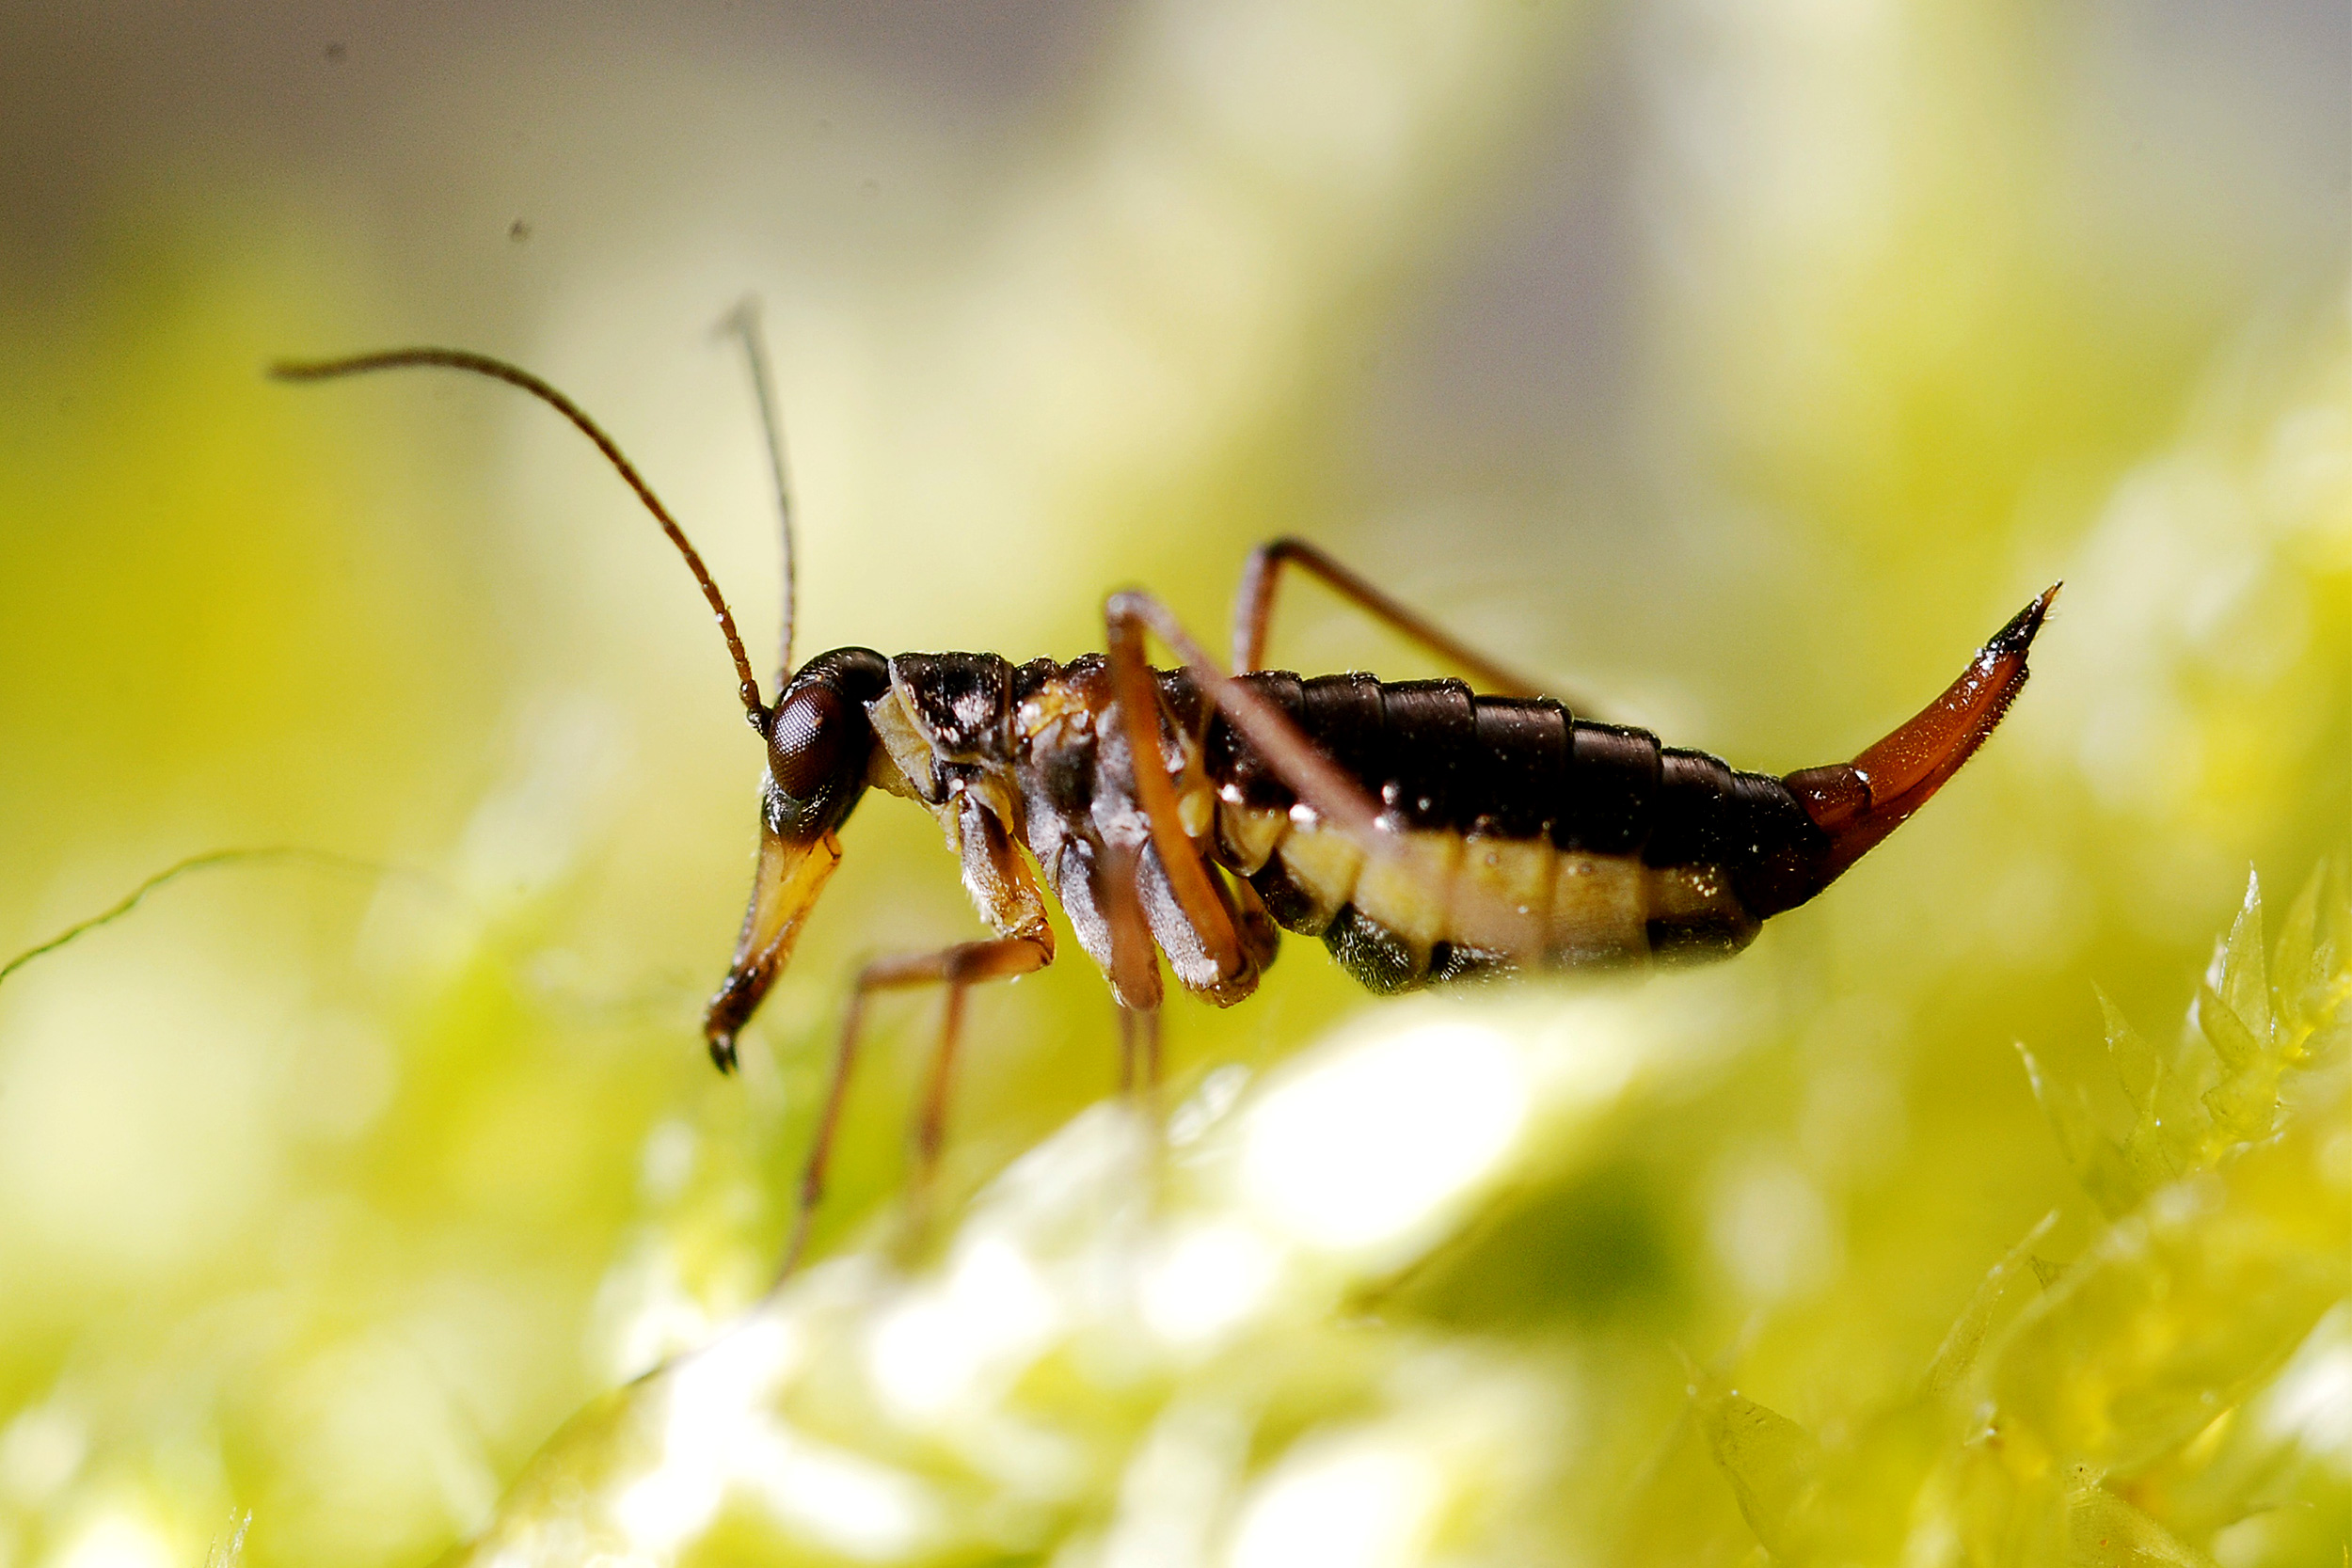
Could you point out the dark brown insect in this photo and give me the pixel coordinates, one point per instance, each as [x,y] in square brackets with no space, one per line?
[1425,832]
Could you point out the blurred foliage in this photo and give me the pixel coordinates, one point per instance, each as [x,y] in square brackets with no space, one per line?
[1222,1362]
[2109,1419]
[329,1189]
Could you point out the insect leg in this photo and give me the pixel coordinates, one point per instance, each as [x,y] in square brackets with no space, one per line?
[965,964]
[1338,802]
[930,1123]
[1253,609]
[1198,899]
[1138,1049]
[1135,967]
[1314,778]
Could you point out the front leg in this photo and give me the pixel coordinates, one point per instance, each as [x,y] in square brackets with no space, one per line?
[965,964]
[1008,898]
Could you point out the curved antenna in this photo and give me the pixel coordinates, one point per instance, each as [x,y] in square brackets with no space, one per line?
[743,321]
[499,369]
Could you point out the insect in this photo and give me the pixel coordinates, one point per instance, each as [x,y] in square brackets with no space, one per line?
[1425,832]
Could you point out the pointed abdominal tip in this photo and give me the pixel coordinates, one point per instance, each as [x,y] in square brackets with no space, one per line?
[1856,804]
[2017,637]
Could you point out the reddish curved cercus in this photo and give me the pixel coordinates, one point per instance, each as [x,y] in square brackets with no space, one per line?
[1857,803]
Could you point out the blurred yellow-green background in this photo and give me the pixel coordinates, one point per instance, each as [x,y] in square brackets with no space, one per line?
[1739,365]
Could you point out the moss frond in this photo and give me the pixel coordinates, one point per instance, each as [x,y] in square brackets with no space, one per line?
[2224,1236]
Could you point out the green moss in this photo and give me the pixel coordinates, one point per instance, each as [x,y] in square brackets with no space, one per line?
[2225,1236]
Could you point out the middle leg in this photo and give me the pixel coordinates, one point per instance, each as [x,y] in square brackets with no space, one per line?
[1229,952]
[1135,967]
[1338,802]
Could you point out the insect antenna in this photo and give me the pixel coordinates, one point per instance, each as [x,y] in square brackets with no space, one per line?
[514,375]
[743,321]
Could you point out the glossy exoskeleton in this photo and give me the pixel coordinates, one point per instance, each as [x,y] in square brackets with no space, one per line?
[1425,831]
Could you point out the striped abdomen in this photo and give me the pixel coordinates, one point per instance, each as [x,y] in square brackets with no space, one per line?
[1528,837]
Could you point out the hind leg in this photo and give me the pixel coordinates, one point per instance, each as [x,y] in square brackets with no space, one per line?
[1253,611]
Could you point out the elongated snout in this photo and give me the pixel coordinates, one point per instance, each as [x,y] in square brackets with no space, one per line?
[791,873]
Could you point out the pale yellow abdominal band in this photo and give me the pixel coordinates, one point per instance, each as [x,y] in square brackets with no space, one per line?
[1522,898]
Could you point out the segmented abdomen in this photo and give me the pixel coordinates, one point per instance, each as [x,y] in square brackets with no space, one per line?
[1529,835]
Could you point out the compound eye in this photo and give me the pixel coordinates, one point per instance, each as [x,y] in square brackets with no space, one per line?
[804,743]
